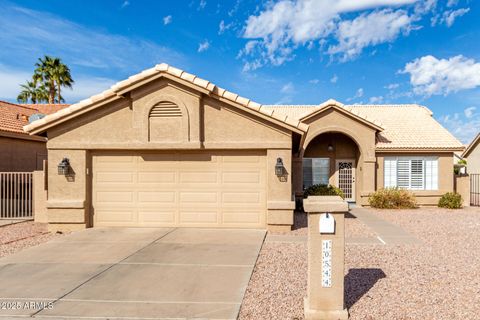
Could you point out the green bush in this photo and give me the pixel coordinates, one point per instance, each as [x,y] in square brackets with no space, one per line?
[323,190]
[392,198]
[450,200]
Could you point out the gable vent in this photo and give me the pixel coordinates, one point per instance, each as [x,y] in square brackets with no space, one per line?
[165,110]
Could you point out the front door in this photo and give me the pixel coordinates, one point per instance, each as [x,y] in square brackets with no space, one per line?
[345,172]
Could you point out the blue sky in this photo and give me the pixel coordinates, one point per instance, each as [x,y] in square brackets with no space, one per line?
[283,51]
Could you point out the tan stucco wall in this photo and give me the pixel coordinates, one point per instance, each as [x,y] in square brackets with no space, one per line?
[462,186]
[473,160]
[40,197]
[445,176]
[207,124]
[332,121]
[21,155]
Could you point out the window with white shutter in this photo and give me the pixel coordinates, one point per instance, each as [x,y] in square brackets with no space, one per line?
[413,173]
[315,171]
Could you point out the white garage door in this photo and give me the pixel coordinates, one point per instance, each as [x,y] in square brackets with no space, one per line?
[214,189]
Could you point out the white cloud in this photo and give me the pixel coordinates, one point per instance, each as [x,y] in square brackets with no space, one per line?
[202,4]
[452,3]
[11,80]
[432,76]
[288,88]
[222,27]
[125,3]
[357,95]
[84,86]
[167,20]
[375,100]
[334,79]
[314,81]
[448,17]
[31,33]
[463,128]
[469,112]
[203,46]
[286,24]
[392,86]
[368,30]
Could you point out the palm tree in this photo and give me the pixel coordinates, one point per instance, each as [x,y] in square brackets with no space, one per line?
[30,91]
[54,74]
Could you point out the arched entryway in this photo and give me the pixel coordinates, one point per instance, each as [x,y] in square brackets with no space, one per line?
[332,158]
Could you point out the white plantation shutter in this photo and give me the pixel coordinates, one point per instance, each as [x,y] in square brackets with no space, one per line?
[431,173]
[390,172]
[416,174]
[413,173]
[403,173]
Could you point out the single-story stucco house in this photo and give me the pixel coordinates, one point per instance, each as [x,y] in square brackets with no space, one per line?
[472,154]
[19,151]
[167,148]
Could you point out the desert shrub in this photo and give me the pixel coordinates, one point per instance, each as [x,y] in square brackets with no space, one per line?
[392,198]
[323,190]
[450,200]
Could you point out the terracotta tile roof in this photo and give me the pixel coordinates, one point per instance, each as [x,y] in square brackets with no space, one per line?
[408,126]
[46,108]
[13,116]
[153,73]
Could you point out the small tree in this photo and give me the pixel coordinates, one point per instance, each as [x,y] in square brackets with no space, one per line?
[32,92]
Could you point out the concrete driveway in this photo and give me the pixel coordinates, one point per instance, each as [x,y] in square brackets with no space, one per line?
[132,273]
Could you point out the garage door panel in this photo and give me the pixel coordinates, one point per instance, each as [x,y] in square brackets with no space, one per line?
[199,177]
[157,177]
[114,196]
[216,189]
[115,177]
[198,197]
[241,217]
[242,198]
[156,198]
[198,216]
[158,217]
[114,217]
[241,177]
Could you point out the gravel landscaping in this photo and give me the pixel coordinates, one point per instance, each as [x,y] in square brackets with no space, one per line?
[437,279]
[16,237]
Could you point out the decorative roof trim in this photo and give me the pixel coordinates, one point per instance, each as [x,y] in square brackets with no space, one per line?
[162,70]
[471,146]
[331,103]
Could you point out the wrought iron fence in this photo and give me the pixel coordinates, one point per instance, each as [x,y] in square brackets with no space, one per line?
[16,190]
[475,189]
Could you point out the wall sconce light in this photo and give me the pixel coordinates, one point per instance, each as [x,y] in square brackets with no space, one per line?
[279,167]
[64,167]
[330,147]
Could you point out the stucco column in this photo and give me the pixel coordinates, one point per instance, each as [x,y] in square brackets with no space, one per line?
[368,179]
[326,255]
[280,205]
[67,207]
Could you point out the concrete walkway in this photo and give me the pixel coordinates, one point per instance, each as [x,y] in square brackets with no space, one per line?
[388,233]
[132,273]
[7,222]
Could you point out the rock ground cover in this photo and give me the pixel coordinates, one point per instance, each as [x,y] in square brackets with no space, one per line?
[16,237]
[436,279]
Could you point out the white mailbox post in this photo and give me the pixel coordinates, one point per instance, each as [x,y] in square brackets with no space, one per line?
[326,258]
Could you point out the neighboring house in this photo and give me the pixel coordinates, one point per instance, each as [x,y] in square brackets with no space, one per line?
[472,154]
[166,148]
[19,151]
